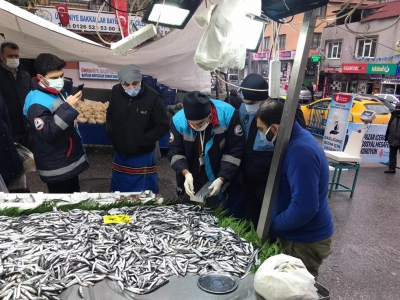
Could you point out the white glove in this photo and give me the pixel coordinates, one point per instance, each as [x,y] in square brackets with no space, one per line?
[215,187]
[189,189]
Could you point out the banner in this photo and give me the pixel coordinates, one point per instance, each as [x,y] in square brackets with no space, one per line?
[89,70]
[85,20]
[337,122]
[389,69]
[374,148]
[122,15]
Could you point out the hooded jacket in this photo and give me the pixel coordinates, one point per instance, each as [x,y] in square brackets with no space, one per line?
[393,130]
[57,145]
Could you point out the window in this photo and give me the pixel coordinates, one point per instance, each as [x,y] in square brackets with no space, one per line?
[333,50]
[266,42]
[282,41]
[377,108]
[366,47]
[316,40]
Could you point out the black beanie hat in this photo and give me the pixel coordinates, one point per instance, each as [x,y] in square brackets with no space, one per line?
[196,106]
[257,82]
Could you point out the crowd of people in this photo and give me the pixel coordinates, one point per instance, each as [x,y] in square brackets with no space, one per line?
[211,142]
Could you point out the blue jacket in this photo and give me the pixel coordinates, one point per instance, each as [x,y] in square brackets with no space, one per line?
[301,212]
[57,145]
[223,152]
[10,162]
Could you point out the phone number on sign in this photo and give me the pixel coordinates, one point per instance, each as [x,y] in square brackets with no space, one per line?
[89,27]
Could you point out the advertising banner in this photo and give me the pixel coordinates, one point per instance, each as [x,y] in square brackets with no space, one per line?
[374,148]
[85,20]
[389,69]
[122,15]
[354,68]
[89,70]
[336,124]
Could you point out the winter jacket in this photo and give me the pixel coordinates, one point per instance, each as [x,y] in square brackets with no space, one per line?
[57,145]
[235,101]
[135,124]
[223,151]
[301,212]
[14,91]
[393,130]
[10,162]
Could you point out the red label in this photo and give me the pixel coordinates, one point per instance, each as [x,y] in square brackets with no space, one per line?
[342,98]
[354,68]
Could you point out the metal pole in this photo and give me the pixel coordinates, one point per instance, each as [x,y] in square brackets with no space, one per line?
[228,98]
[216,85]
[285,129]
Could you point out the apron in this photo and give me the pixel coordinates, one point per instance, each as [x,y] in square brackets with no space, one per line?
[134,173]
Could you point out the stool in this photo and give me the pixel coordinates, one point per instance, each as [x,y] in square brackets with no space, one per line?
[338,167]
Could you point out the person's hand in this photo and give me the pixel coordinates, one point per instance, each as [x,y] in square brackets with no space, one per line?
[73,100]
[215,187]
[189,189]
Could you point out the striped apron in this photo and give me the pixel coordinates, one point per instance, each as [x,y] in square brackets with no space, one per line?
[134,173]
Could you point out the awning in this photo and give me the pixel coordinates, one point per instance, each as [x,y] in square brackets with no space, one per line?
[169,59]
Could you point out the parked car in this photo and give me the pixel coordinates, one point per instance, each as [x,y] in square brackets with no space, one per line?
[304,97]
[392,98]
[389,105]
[234,79]
[359,105]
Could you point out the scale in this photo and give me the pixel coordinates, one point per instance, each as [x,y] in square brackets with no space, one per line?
[368,116]
[217,283]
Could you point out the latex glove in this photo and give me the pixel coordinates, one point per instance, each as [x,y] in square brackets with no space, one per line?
[215,187]
[189,189]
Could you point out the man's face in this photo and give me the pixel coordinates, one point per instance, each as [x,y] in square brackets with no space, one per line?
[131,85]
[197,124]
[51,75]
[270,131]
[9,53]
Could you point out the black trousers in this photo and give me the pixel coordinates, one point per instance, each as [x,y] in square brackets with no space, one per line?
[253,195]
[65,187]
[393,157]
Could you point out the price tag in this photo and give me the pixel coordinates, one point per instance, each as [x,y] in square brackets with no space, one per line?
[116,219]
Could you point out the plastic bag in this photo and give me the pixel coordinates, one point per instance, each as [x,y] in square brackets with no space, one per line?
[223,44]
[283,277]
[3,187]
[27,159]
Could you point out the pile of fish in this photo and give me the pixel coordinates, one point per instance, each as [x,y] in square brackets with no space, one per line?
[43,254]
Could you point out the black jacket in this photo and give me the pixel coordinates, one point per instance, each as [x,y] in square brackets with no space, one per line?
[393,130]
[235,101]
[57,146]
[135,124]
[10,163]
[14,92]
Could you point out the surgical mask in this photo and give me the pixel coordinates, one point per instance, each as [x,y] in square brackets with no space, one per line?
[263,138]
[202,128]
[12,63]
[56,84]
[133,92]
[266,134]
[252,108]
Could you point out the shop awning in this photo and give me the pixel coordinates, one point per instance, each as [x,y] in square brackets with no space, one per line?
[169,59]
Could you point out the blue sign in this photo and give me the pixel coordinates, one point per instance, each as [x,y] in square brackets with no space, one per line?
[398,69]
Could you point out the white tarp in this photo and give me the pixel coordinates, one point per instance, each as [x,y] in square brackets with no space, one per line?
[169,59]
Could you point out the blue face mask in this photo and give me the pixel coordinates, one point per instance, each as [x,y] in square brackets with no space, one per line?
[133,92]
[263,138]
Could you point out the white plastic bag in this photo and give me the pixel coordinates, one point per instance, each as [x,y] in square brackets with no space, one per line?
[3,187]
[283,277]
[223,44]
[27,159]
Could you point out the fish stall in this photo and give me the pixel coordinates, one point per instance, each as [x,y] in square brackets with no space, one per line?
[121,246]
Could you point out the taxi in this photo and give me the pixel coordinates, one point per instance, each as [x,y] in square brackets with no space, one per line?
[321,107]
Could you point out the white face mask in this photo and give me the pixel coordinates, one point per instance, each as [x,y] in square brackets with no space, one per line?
[12,63]
[202,128]
[57,84]
[252,108]
[273,139]
[263,138]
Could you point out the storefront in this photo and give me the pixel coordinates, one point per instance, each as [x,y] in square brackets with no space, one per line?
[261,64]
[334,80]
[386,74]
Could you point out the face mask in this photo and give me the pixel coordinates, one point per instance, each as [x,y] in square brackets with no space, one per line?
[252,108]
[263,138]
[57,84]
[12,63]
[266,134]
[202,128]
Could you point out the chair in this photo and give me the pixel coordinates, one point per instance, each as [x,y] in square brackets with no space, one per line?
[348,159]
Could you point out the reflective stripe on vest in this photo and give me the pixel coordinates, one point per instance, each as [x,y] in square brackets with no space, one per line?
[62,170]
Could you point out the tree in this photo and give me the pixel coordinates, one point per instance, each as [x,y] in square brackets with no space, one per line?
[23,3]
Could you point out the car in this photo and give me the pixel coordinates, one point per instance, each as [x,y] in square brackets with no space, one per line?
[304,97]
[389,105]
[321,107]
[392,98]
[233,79]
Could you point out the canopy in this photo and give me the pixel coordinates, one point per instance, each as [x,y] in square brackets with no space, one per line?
[169,59]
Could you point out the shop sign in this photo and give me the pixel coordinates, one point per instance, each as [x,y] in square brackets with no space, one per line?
[374,148]
[337,122]
[85,20]
[315,58]
[89,70]
[389,69]
[261,56]
[286,54]
[354,68]
[333,70]
[398,69]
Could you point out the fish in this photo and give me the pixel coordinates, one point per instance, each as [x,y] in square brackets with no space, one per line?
[44,254]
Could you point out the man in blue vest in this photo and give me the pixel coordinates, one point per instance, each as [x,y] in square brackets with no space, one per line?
[206,145]
[258,151]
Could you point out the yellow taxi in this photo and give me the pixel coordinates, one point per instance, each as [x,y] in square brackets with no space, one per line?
[359,105]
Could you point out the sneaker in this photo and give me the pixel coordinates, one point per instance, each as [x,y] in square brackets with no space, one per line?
[390,172]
